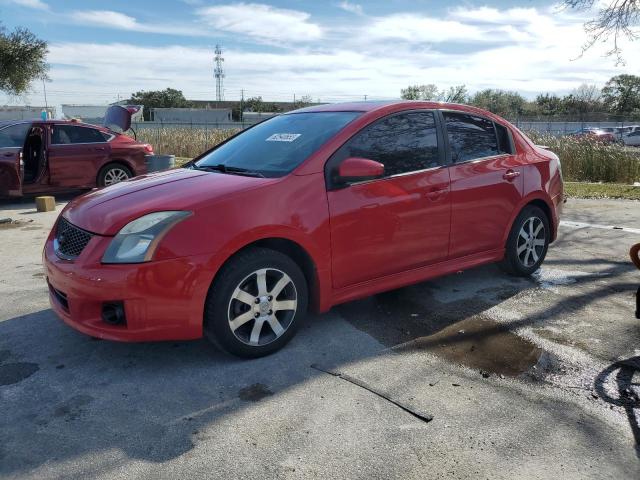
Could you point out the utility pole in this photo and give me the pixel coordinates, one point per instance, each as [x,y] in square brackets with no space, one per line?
[44,88]
[242,105]
[218,73]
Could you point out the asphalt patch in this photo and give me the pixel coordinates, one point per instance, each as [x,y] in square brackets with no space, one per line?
[11,373]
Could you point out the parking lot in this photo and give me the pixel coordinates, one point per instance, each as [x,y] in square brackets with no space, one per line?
[524,378]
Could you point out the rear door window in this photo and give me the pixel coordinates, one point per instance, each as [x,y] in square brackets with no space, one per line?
[404,143]
[70,134]
[470,137]
[14,136]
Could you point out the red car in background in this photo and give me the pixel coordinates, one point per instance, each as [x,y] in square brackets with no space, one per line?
[301,212]
[55,155]
[596,134]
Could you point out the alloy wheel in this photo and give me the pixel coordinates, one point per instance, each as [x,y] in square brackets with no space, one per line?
[531,241]
[115,175]
[262,307]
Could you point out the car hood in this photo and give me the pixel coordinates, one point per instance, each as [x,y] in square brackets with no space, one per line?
[106,211]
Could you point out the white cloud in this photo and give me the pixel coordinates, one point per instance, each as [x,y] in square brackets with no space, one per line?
[528,50]
[351,7]
[36,4]
[262,22]
[107,18]
[418,29]
[120,21]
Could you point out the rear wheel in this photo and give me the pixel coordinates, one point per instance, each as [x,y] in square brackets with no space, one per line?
[527,243]
[256,303]
[112,174]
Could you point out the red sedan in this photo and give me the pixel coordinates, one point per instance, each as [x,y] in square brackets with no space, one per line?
[55,155]
[301,212]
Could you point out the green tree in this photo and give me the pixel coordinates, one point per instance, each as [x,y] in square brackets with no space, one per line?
[22,60]
[549,104]
[621,94]
[303,101]
[420,92]
[254,104]
[456,94]
[167,98]
[584,99]
[500,102]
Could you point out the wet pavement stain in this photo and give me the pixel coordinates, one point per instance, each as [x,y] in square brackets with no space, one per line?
[480,343]
[11,373]
[254,393]
[72,408]
[412,319]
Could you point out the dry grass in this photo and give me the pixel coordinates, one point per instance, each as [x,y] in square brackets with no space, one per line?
[182,142]
[584,160]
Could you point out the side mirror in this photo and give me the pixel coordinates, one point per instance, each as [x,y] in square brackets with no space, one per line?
[355,169]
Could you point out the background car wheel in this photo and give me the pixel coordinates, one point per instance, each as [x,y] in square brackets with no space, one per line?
[112,174]
[256,303]
[527,243]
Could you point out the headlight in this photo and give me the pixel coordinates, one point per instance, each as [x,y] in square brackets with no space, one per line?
[137,241]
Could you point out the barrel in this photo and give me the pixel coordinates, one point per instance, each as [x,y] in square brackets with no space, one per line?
[157,163]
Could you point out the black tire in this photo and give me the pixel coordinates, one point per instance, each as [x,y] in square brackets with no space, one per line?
[524,263]
[222,305]
[111,169]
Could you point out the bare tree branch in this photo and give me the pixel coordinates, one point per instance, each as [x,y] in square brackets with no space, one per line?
[614,21]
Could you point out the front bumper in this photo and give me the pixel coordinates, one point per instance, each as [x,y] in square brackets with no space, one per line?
[163,300]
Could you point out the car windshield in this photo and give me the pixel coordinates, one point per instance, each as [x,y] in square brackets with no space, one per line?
[276,146]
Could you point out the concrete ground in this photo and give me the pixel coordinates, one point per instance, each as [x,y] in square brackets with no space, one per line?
[525,378]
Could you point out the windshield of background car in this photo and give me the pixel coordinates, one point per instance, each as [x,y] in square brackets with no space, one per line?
[278,145]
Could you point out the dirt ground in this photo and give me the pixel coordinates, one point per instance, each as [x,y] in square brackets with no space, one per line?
[524,378]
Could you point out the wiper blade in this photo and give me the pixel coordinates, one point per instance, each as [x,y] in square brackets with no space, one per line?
[228,169]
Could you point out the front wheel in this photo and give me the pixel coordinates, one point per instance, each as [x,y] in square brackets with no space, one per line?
[527,243]
[256,303]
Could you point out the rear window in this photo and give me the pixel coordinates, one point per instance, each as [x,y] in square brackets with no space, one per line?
[505,143]
[278,145]
[470,137]
[14,135]
[65,134]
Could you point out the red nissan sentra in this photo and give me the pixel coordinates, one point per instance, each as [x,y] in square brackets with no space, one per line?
[301,212]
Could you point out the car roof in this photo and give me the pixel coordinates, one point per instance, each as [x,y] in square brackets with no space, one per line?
[376,105]
[6,123]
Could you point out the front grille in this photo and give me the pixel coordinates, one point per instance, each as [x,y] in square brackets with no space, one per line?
[70,240]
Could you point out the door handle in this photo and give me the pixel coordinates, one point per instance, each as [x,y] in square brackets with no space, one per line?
[511,175]
[99,149]
[436,193]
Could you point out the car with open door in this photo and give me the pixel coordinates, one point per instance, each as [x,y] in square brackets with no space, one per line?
[56,155]
[301,212]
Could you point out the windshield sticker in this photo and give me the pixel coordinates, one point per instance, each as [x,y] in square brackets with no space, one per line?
[283,137]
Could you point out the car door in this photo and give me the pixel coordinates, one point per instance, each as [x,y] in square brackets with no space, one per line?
[398,222]
[75,153]
[486,182]
[633,138]
[12,138]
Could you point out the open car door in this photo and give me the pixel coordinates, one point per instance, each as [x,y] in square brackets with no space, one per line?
[118,118]
[12,138]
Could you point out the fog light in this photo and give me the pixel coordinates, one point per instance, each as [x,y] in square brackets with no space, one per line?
[113,313]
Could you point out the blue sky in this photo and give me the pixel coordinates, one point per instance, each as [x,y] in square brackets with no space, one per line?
[331,50]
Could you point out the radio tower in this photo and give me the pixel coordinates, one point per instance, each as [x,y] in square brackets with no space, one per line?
[218,72]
